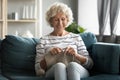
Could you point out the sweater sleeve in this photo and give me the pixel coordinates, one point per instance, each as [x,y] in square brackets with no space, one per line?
[39,56]
[81,48]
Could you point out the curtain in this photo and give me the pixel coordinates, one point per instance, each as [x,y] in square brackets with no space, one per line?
[114,10]
[108,8]
[103,13]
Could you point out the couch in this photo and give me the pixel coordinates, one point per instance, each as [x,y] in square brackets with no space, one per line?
[17,57]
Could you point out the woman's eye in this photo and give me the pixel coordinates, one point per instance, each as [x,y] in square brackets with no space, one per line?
[63,19]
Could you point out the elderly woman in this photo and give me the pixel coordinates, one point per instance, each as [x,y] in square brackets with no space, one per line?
[59,16]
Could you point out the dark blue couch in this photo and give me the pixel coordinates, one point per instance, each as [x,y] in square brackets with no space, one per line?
[17,56]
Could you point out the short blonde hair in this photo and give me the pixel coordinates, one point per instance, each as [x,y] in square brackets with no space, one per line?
[59,7]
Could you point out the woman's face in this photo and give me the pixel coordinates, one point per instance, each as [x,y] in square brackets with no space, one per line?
[59,22]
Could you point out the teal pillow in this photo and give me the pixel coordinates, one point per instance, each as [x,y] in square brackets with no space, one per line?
[89,39]
[18,54]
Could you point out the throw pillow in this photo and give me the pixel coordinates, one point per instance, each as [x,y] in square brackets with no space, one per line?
[18,54]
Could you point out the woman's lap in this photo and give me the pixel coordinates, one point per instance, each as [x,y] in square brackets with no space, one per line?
[73,71]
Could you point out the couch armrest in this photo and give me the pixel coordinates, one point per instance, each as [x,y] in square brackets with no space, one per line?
[106,57]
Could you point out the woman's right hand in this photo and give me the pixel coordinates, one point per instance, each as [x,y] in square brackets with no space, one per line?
[55,50]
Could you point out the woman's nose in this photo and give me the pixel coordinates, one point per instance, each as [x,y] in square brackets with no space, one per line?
[60,21]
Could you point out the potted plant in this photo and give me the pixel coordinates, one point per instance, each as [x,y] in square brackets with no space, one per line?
[75,28]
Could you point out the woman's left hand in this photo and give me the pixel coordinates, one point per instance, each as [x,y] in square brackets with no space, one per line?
[69,50]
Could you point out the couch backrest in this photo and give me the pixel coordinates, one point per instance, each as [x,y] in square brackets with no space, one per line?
[18,53]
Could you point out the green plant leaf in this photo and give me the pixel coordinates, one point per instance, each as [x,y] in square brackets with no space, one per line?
[80,29]
[75,28]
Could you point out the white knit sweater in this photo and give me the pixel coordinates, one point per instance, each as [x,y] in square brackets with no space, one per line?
[73,40]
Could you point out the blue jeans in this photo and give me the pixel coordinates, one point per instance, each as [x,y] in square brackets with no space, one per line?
[73,71]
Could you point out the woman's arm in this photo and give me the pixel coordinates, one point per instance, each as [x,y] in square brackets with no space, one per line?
[40,64]
[83,55]
[86,61]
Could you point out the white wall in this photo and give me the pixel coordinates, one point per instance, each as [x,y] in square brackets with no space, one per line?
[87,15]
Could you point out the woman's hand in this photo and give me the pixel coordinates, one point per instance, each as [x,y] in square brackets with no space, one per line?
[55,50]
[43,64]
[69,50]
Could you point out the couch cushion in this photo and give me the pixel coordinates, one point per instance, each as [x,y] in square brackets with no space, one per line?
[28,78]
[3,78]
[18,55]
[103,77]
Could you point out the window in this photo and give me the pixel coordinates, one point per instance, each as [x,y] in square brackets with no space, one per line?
[107,30]
[88,17]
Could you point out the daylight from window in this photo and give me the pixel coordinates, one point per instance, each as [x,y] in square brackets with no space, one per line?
[95,29]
